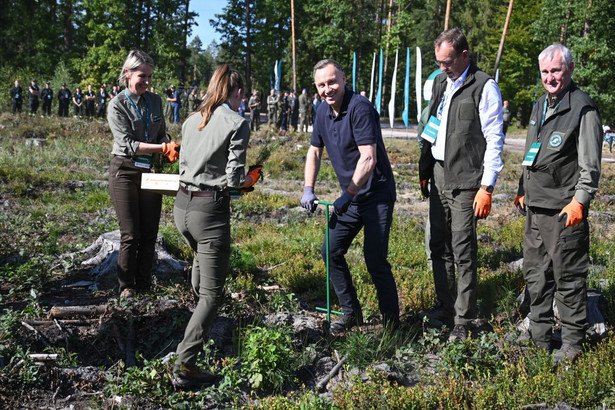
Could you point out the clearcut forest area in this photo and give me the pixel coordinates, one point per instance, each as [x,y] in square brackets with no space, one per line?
[68,341]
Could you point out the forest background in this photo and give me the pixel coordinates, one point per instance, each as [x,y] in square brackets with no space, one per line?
[85,41]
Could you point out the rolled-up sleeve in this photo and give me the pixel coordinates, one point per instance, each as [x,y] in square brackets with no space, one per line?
[589,148]
[490,111]
[235,166]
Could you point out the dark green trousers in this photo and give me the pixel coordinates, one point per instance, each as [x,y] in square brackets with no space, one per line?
[205,224]
[555,263]
[453,244]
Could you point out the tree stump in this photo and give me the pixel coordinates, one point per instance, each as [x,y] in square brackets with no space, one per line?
[103,253]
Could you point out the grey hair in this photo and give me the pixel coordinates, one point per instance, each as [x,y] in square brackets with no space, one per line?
[323,63]
[552,50]
[133,61]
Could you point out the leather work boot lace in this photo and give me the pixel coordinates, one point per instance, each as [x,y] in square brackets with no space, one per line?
[346,322]
[460,332]
[189,375]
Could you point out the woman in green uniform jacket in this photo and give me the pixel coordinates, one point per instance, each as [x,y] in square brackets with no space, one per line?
[139,131]
[212,160]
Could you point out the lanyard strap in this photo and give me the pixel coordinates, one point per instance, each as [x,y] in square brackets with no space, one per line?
[146,119]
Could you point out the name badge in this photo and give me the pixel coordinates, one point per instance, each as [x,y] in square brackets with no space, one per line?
[143,161]
[530,157]
[430,132]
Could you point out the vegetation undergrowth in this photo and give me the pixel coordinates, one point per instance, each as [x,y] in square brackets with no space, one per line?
[54,202]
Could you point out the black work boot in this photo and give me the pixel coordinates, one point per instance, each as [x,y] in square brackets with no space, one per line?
[347,322]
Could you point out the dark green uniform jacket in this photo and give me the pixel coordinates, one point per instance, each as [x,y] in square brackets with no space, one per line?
[568,160]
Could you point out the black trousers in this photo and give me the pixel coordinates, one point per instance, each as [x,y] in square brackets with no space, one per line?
[138,213]
[375,217]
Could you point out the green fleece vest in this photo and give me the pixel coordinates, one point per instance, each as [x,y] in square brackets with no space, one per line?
[465,143]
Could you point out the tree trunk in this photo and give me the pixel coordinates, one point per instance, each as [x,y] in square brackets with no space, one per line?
[248,50]
[68,25]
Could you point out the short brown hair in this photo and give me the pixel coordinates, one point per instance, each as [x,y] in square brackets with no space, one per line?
[455,38]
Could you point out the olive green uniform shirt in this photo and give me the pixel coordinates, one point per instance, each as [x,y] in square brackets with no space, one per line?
[214,157]
[129,127]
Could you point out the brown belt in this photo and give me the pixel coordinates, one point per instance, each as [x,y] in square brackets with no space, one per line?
[203,194]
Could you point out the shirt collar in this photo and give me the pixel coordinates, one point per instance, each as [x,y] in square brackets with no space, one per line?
[459,81]
[347,96]
[134,97]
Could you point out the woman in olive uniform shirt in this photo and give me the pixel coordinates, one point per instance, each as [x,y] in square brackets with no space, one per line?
[138,128]
[214,141]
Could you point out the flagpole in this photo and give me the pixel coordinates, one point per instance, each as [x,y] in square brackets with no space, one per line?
[393,92]
[371,81]
[499,56]
[292,23]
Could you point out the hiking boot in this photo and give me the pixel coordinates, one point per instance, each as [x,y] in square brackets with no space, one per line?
[524,338]
[346,322]
[566,352]
[127,293]
[189,375]
[460,332]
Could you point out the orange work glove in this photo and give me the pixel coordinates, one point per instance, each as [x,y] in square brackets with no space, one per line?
[520,204]
[171,150]
[255,172]
[482,204]
[573,212]
[424,188]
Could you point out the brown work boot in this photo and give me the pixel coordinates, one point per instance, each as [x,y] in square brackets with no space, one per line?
[189,375]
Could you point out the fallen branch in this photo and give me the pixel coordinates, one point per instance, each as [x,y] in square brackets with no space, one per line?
[57,312]
[321,384]
[43,357]
[63,322]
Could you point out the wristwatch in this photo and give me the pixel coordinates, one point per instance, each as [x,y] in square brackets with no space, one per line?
[488,188]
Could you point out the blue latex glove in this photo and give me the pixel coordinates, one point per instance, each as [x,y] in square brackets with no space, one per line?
[341,204]
[308,199]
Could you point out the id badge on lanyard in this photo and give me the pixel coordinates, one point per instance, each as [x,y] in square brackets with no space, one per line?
[142,161]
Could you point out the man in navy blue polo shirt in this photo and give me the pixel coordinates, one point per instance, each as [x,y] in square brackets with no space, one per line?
[349,128]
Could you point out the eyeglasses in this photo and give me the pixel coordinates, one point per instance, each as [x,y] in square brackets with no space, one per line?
[446,63]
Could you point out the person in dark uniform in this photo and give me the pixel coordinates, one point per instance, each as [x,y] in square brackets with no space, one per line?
[561,171]
[212,160]
[47,97]
[78,102]
[139,131]
[283,111]
[64,97]
[90,101]
[348,127]
[293,110]
[254,104]
[16,94]
[34,93]
[114,92]
[101,99]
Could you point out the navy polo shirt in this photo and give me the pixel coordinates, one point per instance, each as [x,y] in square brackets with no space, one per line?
[356,124]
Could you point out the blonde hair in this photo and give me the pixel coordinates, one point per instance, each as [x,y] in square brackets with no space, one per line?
[133,61]
[223,82]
